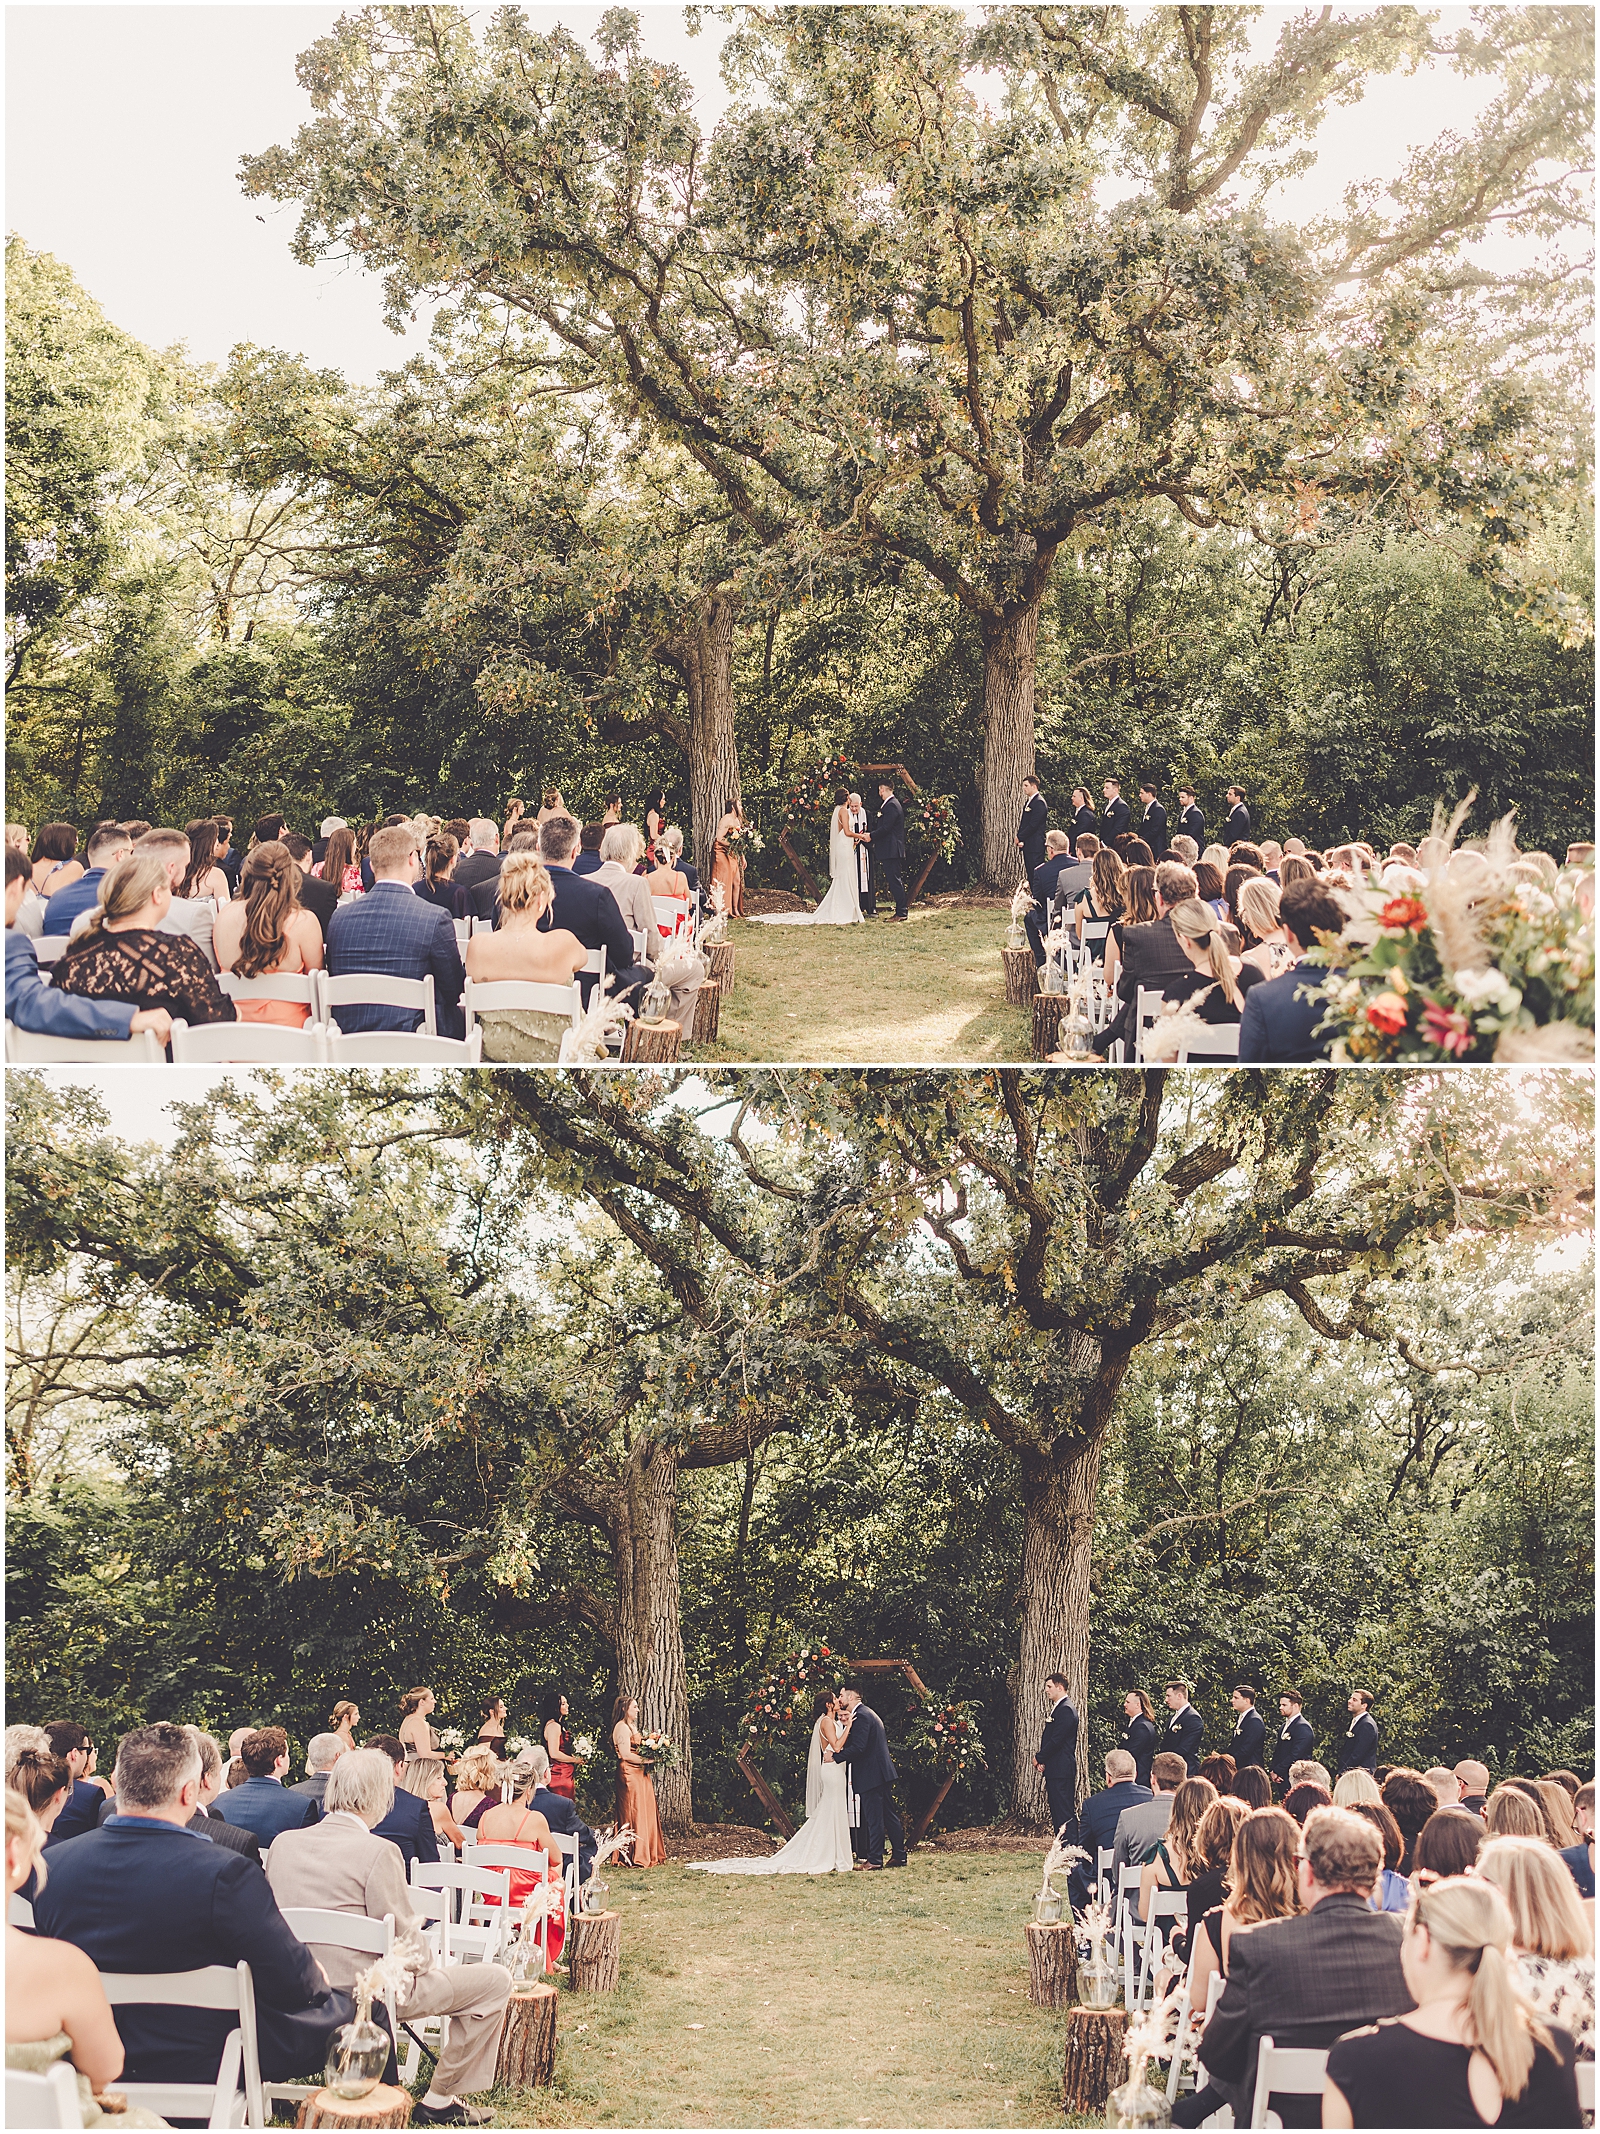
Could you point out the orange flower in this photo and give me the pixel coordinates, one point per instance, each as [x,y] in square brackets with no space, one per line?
[1387,1013]
[1401,913]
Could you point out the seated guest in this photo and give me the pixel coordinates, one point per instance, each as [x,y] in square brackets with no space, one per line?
[478,1775]
[589,838]
[229,858]
[1447,1844]
[1138,909]
[517,1822]
[56,2008]
[1232,885]
[1306,1981]
[1392,1892]
[208,1819]
[1208,888]
[517,950]
[1261,1885]
[1280,1018]
[1446,1786]
[1569,1781]
[1306,1771]
[264,1803]
[581,906]
[1558,1813]
[343,1865]
[1142,1827]
[438,885]
[1220,1768]
[1073,881]
[1300,1800]
[1580,1857]
[1098,1819]
[1552,1941]
[1105,898]
[122,954]
[436,1793]
[33,1005]
[671,842]
[1471,2052]
[340,868]
[482,862]
[1268,948]
[203,877]
[43,1779]
[1169,1866]
[1508,1813]
[407,1824]
[71,1744]
[192,917]
[1042,882]
[108,846]
[1355,1785]
[1206,1858]
[1150,955]
[390,933]
[322,1753]
[1210,993]
[621,849]
[1253,1787]
[662,876]
[264,933]
[316,896]
[559,1810]
[144,1893]
[55,865]
[1410,1800]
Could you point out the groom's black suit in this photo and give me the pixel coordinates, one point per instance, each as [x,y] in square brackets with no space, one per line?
[866,1751]
[889,856]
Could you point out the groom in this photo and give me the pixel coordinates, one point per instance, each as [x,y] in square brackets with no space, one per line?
[866,1750]
[888,842]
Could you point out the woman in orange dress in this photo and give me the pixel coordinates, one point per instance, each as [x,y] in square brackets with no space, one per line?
[636,1789]
[727,867]
[515,1823]
[266,932]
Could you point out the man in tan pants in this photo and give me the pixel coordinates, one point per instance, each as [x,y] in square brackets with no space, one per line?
[339,1866]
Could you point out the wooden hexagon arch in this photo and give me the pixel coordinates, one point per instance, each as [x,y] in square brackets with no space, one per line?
[775,1808]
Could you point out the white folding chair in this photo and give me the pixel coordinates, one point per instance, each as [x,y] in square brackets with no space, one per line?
[1223,1038]
[1165,1904]
[594,966]
[478,996]
[509,1859]
[32,1048]
[1180,2043]
[568,1849]
[47,948]
[19,1912]
[1095,934]
[640,943]
[238,2078]
[1585,2086]
[463,929]
[47,2100]
[1288,2070]
[366,989]
[1105,1856]
[302,988]
[340,1930]
[670,914]
[1146,1008]
[401,1048]
[477,1928]
[252,1044]
[1127,1888]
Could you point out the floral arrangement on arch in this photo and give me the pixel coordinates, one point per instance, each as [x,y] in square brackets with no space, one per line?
[786,1693]
[1483,963]
[943,1736]
[935,821]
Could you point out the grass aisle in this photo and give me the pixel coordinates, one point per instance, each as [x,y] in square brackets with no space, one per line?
[892,2000]
[930,992]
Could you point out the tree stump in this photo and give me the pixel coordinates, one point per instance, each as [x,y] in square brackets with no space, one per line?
[1052,1965]
[707,1006]
[1049,1011]
[1022,976]
[719,964]
[653,1043]
[385,2106]
[594,1951]
[1093,2064]
[528,2042]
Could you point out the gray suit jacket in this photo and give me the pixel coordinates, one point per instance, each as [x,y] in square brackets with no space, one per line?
[337,1865]
[1139,1831]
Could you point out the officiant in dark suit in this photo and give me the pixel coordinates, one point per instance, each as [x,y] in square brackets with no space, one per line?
[888,842]
[1031,829]
[1191,823]
[865,1749]
[1058,1760]
[1153,826]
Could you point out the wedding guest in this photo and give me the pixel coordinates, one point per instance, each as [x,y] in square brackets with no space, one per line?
[1353,1786]
[1211,992]
[1233,882]
[558,1810]
[1447,1844]
[1138,1737]
[582,907]
[109,845]
[1580,1857]
[264,1803]
[1568,1780]
[518,1822]
[43,1779]
[1509,1813]
[1305,1981]
[1294,867]
[518,950]
[55,863]
[1295,1739]
[1552,1941]
[1098,1819]
[1253,1787]
[1470,2051]
[56,2008]
[482,863]
[1206,1858]
[229,858]
[191,918]
[1393,1890]
[563,1758]
[203,877]
[407,1825]
[208,1818]
[1149,956]
[33,1005]
[1311,1773]
[636,1792]
[671,842]
[265,932]
[1216,856]
[1185,1729]
[1220,1768]
[437,1796]
[1410,1801]
[1138,909]
[1280,1017]
[621,849]
[343,1721]
[392,934]
[1558,1813]
[438,885]
[343,1865]
[589,840]
[1170,1865]
[1446,1786]
[664,879]
[1267,946]
[322,1753]
[140,1894]
[1261,1886]
[122,954]
[1474,1778]
[1300,1800]
[1106,898]
[70,1743]
[340,868]
[1141,1828]
[477,1785]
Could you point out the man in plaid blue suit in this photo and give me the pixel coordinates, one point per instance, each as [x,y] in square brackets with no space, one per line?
[391,932]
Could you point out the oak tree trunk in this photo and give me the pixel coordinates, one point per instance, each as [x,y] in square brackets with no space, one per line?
[1058,1492]
[1010,647]
[703,656]
[649,1624]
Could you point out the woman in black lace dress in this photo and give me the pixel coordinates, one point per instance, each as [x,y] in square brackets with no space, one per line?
[120,955]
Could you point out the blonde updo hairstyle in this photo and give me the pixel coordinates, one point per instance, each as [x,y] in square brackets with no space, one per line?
[478,1770]
[1468,1919]
[126,889]
[525,885]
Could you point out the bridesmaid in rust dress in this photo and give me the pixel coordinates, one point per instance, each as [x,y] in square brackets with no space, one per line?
[636,1791]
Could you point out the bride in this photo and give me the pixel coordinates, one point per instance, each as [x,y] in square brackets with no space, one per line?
[821,1846]
[842,905]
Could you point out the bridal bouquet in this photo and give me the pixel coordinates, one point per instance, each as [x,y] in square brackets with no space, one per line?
[657,1748]
[450,1737]
[517,1745]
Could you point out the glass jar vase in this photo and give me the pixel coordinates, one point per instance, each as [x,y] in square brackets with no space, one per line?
[1047,1908]
[1136,2104]
[357,2058]
[1098,1983]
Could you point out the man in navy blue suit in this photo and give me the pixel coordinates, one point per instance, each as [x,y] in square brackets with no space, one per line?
[1116,815]
[1058,1759]
[1097,1822]
[866,1750]
[1185,1729]
[78,1811]
[1249,1742]
[264,1803]
[1043,881]
[393,933]
[409,1823]
[1359,1749]
[147,1893]
[1279,1017]
[1295,1740]
[1238,829]
[589,910]
[107,845]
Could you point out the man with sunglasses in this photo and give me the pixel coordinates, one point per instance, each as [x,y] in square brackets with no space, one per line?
[81,1808]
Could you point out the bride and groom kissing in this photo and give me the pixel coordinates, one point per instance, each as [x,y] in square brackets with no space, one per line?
[846,1737]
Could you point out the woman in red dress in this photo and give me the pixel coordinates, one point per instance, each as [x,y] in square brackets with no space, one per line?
[515,1823]
[564,1760]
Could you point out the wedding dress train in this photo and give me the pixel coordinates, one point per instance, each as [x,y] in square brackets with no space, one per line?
[842,904]
[821,1846]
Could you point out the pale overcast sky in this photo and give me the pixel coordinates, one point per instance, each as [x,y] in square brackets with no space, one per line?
[125,124]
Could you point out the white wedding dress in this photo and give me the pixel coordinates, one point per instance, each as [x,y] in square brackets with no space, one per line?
[842,905]
[821,1846]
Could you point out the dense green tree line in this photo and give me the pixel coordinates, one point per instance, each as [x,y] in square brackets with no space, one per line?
[359,1386]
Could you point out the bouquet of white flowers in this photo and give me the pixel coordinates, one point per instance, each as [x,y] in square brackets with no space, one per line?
[584,1745]
[517,1745]
[450,1737]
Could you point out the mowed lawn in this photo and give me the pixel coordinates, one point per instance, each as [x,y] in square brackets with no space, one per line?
[931,992]
[890,2000]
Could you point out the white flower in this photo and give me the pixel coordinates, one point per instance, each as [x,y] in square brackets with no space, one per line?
[1488,988]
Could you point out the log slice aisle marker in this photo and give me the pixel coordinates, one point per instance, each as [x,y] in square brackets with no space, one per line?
[594,1951]
[1052,1965]
[1093,2063]
[527,2058]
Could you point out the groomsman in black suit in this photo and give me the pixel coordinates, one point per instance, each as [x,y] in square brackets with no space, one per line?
[1296,1744]
[1031,830]
[1359,1749]
[1058,1760]
[1238,829]
[1249,1742]
[1085,822]
[1185,1728]
[1191,823]
[1116,815]
[1153,827]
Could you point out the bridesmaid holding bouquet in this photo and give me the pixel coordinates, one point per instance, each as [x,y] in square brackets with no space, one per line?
[636,1791]
[564,1759]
